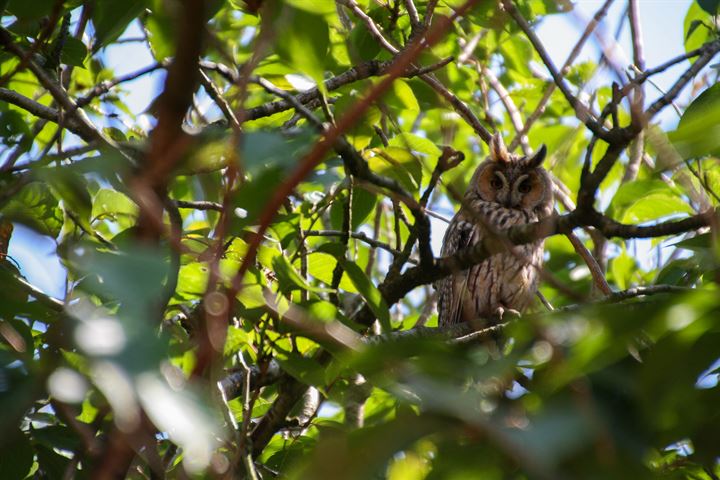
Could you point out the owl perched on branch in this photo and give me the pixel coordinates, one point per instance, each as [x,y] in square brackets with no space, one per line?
[505,190]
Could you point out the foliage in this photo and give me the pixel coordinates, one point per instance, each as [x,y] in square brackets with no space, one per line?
[227,254]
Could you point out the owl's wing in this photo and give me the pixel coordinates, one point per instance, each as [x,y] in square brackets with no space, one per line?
[460,234]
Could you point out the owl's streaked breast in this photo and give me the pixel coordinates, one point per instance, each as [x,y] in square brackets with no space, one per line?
[505,190]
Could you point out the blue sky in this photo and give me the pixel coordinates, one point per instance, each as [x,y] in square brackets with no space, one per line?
[662,25]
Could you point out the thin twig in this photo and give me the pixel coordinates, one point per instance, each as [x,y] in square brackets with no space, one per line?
[709,51]
[104,87]
[582,111]
[638,102]
[597,18]
[356,235]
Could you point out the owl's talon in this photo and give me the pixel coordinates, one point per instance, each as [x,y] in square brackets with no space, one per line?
[502,313]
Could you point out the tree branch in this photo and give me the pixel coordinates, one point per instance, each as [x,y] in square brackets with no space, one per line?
[79,128]
[709,51]
[581,110]
[597,18]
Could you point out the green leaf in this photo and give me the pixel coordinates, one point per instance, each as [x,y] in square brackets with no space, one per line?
[322,310]
[111,204]
[57,436]
[31,10]
[321,267]
[654,206]
[416,144]
[695,28]
[699,242]
[74,52]
[265,149]
[644,200]
[111,18]
[72,189]
[698,132]
[363,204]
[16,458]
[305,369]
[192,279]
[289,278]
[360,43]
[317,7]
[402,97]
[518,54]
[692,27]
[369,292]
[303,42]
[52,464]
[134,276]
[710,6]
[397,163]
[236,339]
[622,270]
[12,126]
[36,207]
[252,197]
[161,32]
[683,272]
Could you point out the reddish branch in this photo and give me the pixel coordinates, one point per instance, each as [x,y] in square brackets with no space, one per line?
[167,144]
[167,140]
[282,405]
[399,65]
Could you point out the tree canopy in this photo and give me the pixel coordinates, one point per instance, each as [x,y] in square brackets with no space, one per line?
[250,261]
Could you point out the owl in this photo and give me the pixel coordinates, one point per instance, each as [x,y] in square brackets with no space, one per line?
[505,190]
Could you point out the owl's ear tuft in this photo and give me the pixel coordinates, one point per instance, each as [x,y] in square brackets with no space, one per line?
[537,158]
[498,151]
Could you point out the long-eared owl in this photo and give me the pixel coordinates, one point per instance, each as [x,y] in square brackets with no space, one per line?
[505,190]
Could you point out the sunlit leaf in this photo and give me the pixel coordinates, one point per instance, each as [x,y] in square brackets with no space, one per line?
[304,42]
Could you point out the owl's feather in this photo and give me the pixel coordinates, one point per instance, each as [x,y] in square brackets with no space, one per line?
[494,200]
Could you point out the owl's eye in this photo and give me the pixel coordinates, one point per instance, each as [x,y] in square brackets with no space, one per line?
[524,186]
[496,183]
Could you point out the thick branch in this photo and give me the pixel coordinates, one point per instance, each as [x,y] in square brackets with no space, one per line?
[371,68]
[90,133]
[79,128]
[420,275]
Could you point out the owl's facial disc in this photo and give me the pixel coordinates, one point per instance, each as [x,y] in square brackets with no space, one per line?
[492,183]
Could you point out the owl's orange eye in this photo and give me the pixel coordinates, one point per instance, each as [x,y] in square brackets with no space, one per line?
[496,183]
[524,187]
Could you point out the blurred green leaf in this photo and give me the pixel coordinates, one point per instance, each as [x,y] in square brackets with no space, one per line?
[34,10]
[316,7]
[17,455]
[304,42]
[111,18]
[74,52]
[289,278]
[113,205]
[36,207]
[364,453]
[696,27]
[710,6]
[50,463]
